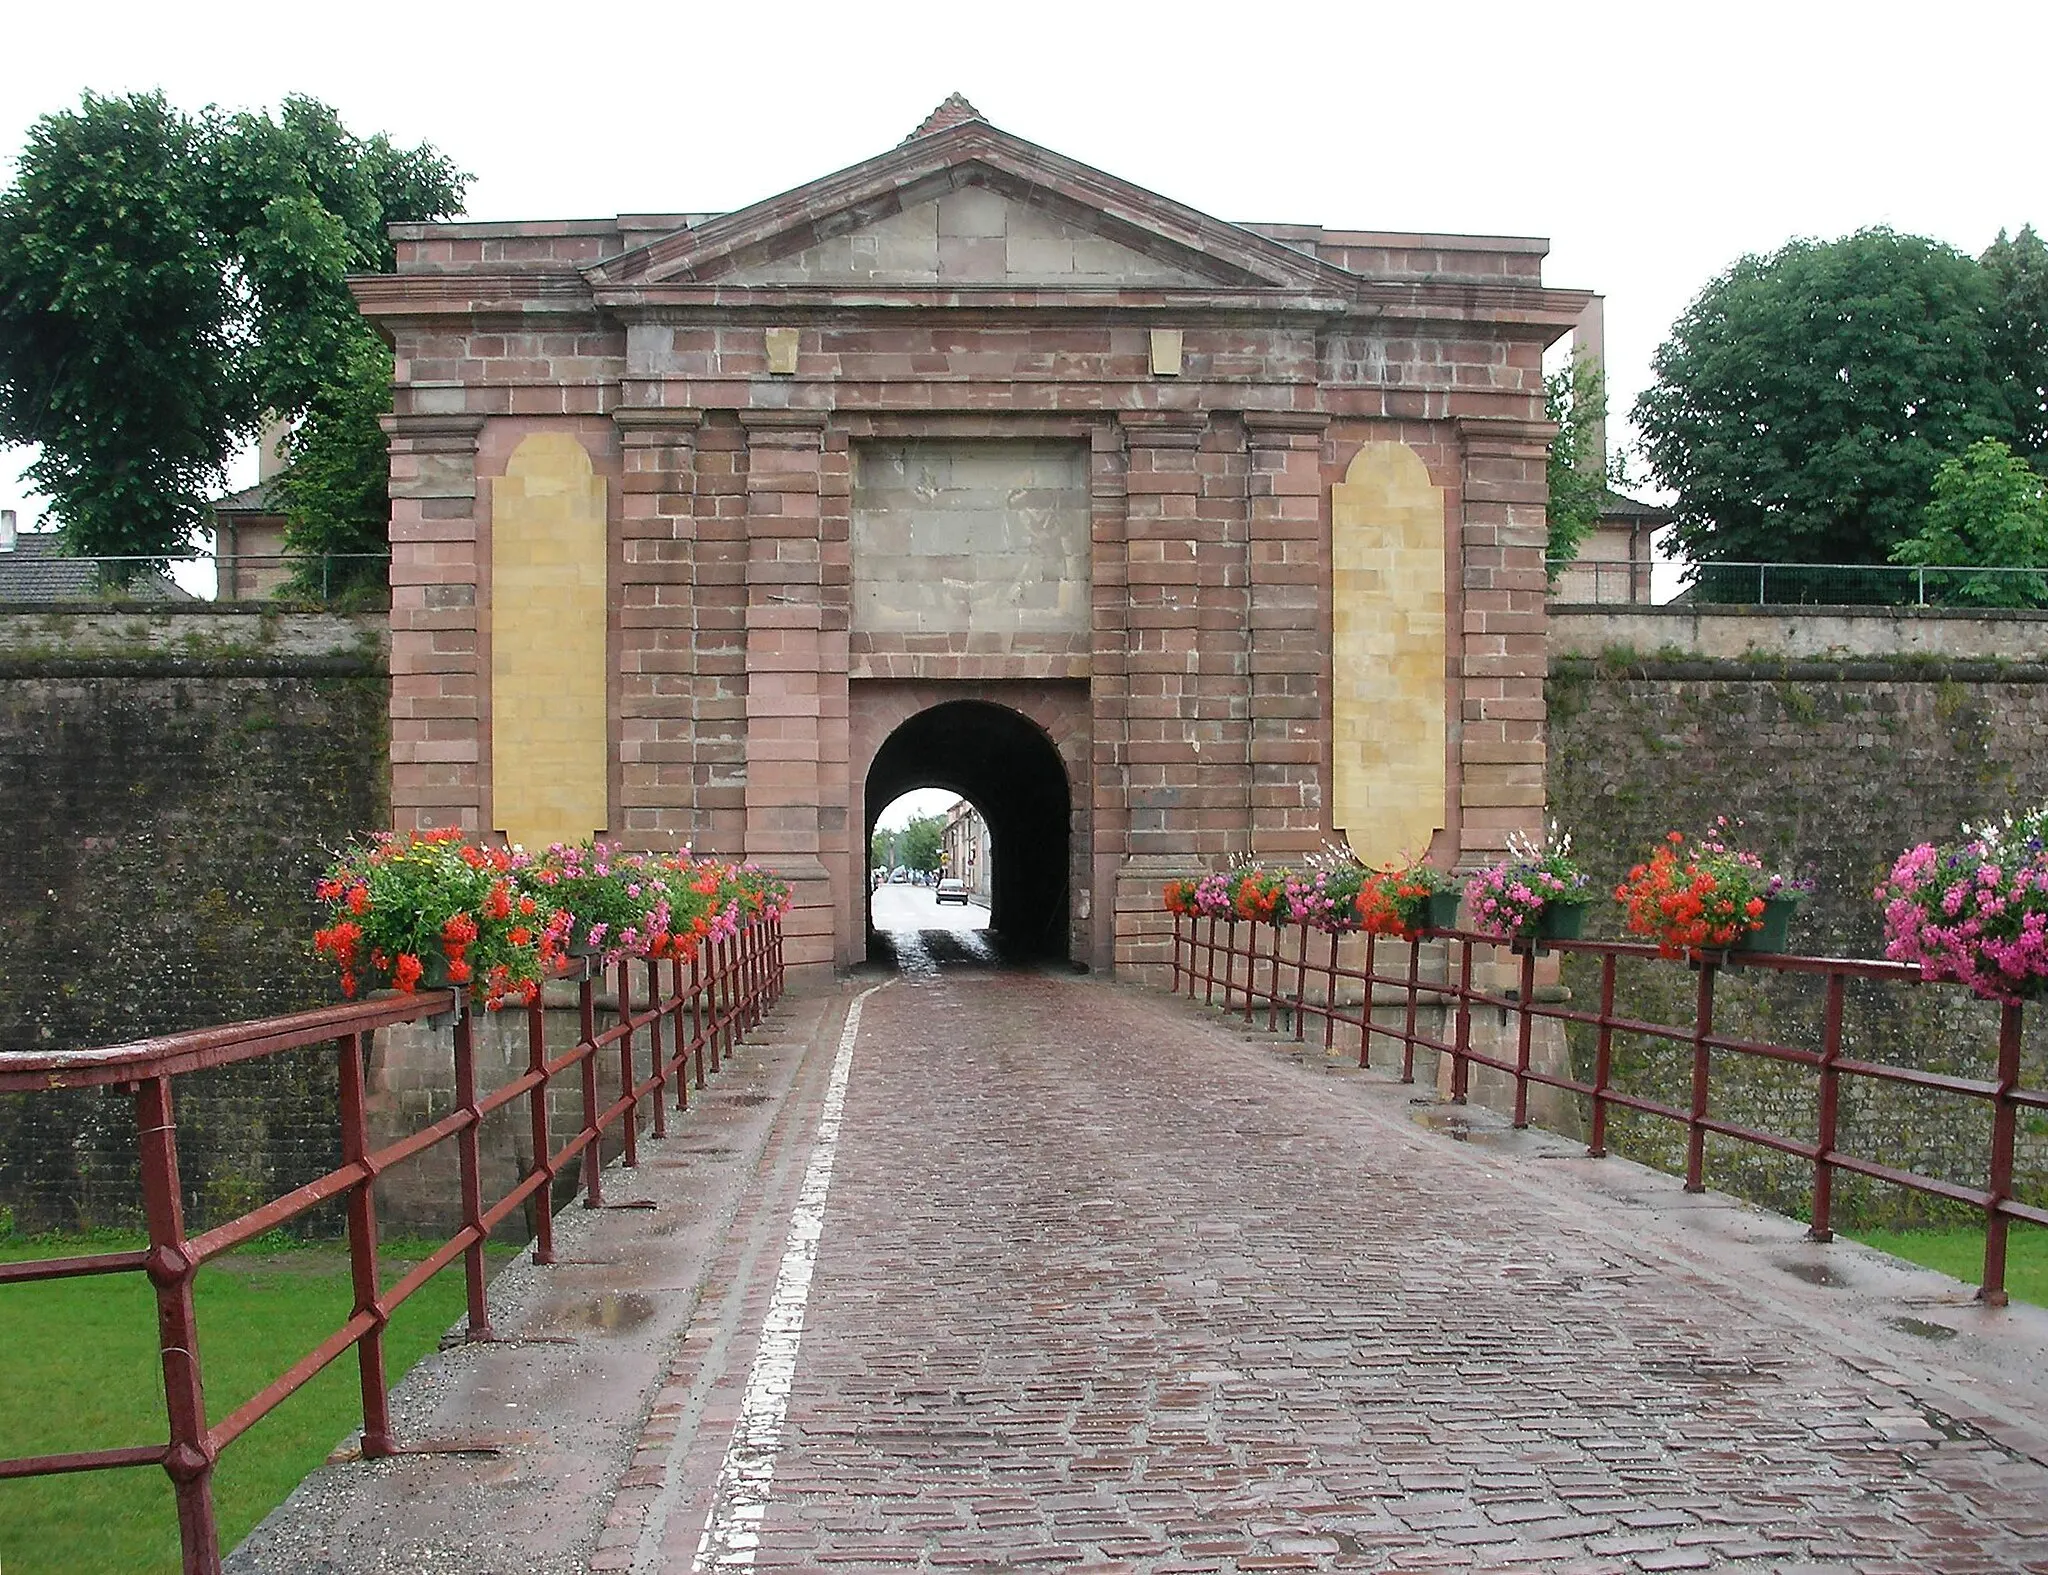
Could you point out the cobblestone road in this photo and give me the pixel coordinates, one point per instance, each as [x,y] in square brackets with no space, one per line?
[1103,1287]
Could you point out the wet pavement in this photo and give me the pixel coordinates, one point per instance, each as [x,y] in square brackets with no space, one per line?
[1013,1269]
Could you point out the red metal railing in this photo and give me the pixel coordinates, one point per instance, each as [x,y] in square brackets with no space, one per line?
[710,1002]
[1257,971]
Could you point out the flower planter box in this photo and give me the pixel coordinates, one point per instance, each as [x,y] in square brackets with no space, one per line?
[1777,919]
[1443,910]
[1561,921]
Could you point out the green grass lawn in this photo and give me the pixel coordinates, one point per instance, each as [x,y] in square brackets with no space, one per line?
[79,1370]
[1959,1250]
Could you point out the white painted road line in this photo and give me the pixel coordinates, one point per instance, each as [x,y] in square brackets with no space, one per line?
[732,1533]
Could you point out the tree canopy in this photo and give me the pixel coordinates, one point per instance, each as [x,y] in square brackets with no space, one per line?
[168,279]
[921,839]
[1989,509]
[1805,400]
[1575,397]
[2017,335]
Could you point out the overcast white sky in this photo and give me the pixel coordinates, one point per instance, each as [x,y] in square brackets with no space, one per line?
[1652,143]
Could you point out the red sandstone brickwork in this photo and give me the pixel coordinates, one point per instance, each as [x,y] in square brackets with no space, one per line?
[1193,717]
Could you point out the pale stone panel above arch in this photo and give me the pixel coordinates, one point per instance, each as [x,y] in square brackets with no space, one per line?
[548,745]
[1387,542]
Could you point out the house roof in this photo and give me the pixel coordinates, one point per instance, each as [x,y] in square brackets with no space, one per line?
[36,570]
[1622,509]
[250,500]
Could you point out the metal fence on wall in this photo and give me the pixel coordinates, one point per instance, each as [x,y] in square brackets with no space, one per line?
[1798,584]
[33,573]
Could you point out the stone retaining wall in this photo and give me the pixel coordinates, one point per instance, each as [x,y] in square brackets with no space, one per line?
[1663,719]
[172,782]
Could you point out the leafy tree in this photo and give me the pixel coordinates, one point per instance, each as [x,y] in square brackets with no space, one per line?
[1989,508]
[2017,335]
[882,850]
[335,490]
[1805,400]
[121,338]
[166,280]
[1575,397]
[919,842]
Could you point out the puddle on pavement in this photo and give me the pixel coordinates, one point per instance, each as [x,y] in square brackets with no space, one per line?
[1458,1127]
[1816,1274]
[611,1312]
[1921,1328]
[738,1099]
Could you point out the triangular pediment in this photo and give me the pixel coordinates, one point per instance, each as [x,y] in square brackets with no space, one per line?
[972,207]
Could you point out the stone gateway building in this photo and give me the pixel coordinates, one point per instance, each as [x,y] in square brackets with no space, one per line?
[1166,541]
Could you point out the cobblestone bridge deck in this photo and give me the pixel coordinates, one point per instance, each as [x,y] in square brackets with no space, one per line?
[1101,1284]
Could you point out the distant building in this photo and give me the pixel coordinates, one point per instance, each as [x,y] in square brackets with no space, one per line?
[34,568]
[964,852]
[248,544]
[1614,560]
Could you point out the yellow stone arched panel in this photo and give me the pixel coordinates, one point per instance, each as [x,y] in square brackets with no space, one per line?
[1387,543]
[548,723]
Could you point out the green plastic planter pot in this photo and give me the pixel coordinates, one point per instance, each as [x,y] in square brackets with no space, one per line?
[1443,910]
[1561,921]
[1777,919]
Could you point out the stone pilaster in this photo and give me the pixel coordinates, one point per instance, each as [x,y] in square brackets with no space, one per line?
[1186,752]
[788,653]
[1112,909]
[1289,622]
[1503,660]
[655,570]
[718,684]
[437,688]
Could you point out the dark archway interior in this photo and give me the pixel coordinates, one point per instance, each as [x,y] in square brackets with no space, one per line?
[1009,768]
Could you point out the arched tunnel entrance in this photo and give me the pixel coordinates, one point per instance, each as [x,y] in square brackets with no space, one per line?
[1006,765]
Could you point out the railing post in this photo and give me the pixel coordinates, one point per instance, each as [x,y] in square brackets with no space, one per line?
[468,1159]
[362,1249]
[1695,1133]
[1603,1061]
[684,1047]
[697,1034]
[1525,1024]
[2004,1121]
[189,1460]
[537,1121]
[1408,1017]
[1461,1068]
[1300,984]
[1330,995]
[593,1139]
[1821,1228]
[655,1067]
[1208,969]
[1251,965]
[1372,973]
[1176,954]
[627,1076]
[1273,983]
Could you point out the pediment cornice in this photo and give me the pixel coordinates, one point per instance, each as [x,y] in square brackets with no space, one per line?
[1211,250]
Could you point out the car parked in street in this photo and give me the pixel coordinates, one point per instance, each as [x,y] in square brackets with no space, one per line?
[954,891]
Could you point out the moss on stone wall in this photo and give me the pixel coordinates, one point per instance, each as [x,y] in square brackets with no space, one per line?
[157,853]
[1833,773]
